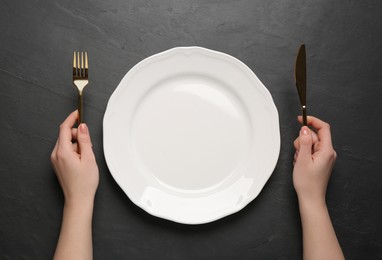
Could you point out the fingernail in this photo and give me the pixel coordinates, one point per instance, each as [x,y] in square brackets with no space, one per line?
[305,130]
[83,128]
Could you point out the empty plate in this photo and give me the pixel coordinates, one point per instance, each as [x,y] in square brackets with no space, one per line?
[191,135]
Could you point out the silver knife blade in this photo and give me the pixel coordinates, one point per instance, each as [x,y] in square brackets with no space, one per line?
[300,79]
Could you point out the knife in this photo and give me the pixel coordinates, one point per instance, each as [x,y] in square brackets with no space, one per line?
[300,79]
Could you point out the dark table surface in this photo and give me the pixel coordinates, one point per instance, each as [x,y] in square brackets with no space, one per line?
[343,39]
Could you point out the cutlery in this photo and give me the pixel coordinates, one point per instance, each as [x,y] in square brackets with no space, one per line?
[80,78]
[300,79]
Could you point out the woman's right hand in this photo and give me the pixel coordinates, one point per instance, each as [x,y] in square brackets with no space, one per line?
[314,161]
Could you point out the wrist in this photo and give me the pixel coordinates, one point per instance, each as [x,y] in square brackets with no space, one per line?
[311,197]
[79,212]
[79,203]
[312,204]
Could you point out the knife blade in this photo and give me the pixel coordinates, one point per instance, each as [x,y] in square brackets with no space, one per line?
[300,79]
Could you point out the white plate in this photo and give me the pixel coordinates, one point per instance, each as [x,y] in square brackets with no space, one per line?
[191,135]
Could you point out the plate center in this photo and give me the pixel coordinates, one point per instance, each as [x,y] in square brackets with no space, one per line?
[190,133]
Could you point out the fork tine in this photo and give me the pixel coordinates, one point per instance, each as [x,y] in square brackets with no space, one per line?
[86,64]
[81,65]
[78,64]
[74,64]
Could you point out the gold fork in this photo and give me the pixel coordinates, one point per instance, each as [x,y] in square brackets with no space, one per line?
[80,78]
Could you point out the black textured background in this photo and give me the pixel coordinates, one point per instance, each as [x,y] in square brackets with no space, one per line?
[344,41]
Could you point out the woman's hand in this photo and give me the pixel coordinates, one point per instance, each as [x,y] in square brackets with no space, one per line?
[74,162]
[314,161]
[77,171]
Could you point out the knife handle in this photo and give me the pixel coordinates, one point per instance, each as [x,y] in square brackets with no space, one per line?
[304,117]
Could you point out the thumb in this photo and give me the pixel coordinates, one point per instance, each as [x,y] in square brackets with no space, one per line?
[306,142]
[84,141]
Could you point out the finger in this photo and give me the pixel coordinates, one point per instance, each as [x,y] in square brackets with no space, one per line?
[296,142]
[84,142]
[308,119]
[314,134]
[306,141]
[323,132]
[75,147]
[65,135]
[54,152]
[300,119]
[314,137]
[74,134]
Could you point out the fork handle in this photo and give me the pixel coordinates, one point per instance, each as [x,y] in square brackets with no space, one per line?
[80,107]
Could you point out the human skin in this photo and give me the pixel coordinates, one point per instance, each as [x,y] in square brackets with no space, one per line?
[77,172]
[314,161]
